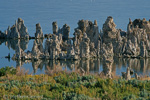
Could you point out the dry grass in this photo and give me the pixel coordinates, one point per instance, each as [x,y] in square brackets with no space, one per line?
[22,71]
[145,77]
[56,71]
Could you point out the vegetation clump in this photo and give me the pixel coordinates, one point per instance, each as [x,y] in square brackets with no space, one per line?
[71,86]
[7,70]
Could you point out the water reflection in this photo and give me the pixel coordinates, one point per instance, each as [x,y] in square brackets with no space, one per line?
[13,43]
[94,66]
[141,66]
[118,65]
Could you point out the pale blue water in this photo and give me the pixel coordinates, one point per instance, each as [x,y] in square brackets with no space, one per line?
[69,12]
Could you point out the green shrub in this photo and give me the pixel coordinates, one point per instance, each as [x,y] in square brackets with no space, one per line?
[74,96]
[130,97]
[74,87]
[7,70]
[144,93]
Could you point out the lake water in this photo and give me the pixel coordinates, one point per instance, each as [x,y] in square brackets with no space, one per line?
[69,12]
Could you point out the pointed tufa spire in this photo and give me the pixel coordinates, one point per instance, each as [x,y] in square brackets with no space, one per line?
[39,33]
[18,30]
[95,22]
[130,21]
[144,19]
[55,27]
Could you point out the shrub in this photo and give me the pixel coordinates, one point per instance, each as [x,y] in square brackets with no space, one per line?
[7,70]
[130,97]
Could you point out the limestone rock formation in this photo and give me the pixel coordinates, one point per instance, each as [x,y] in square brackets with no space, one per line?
[70,53]
[85,26]
[36,52]
[55,27]
[65,30]
[107,50]
[19,30]
[39,33]
[87,42]
[136,76]
[135,31]
[110,33]
[143,51]
[84,47]
[107,56]
[137,35]
[54,47]
[47,47]
[93,51]
[131,49]
[127,74]
[77,40]
[142,24]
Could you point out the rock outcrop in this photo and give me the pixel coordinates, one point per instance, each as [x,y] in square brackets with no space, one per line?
[39,33]
[107,56]
[87,42]
[138,39]
[142,24]
[84,47]
[55,27]
[136,76]
[65,32]
[54,47]
[85,26]
[133,43]
[71,53]
[107,50]
[112,35]
[127,75]
[18,30]
[36,52]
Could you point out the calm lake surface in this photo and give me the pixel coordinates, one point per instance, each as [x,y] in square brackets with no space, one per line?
[69,12]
